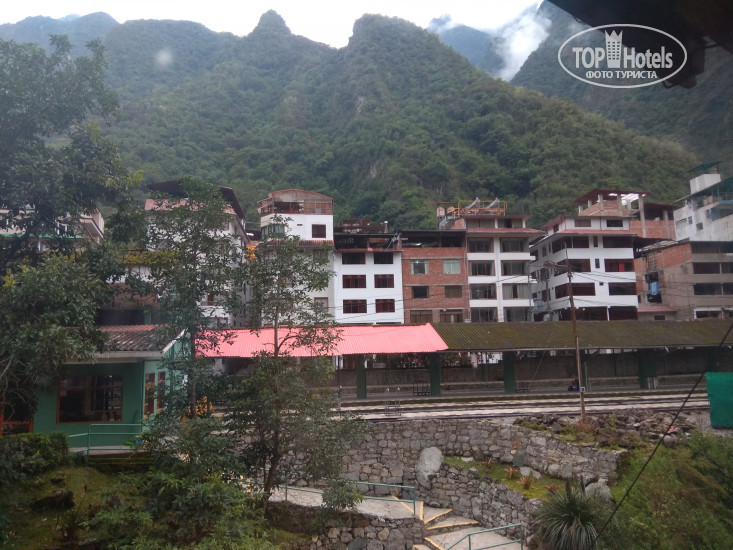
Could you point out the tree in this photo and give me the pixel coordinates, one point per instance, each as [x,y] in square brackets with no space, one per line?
[48,318]
[53,168]
[286,422]
[53,171]
[195,269]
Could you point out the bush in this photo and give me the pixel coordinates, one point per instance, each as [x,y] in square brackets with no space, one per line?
[27,454]
[570,520]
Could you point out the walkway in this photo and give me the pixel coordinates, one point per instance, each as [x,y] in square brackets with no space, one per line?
[442,528]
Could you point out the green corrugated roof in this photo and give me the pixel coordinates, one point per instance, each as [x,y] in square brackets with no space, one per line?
[553,335]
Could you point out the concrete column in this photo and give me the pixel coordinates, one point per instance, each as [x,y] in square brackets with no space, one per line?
[510,383]
[361,385]
[647,370]
[435,361]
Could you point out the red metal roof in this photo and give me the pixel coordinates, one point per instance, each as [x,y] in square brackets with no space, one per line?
[355,340]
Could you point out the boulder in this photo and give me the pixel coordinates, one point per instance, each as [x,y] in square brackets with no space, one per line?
[428,466]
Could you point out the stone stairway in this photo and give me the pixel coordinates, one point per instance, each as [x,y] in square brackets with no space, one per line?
[445,529]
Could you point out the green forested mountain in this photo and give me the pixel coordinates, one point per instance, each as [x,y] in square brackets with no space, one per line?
[699,118]
[388,125]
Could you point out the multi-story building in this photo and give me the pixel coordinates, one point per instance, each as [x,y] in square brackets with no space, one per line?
[692,277]
[367,274]
[496,261]
[590,255]
[307,215]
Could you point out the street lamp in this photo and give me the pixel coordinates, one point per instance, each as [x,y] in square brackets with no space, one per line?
[573,319]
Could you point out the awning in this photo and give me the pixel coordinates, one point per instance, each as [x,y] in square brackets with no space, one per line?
[355,340]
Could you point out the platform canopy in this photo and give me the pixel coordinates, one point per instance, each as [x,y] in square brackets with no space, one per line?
[355,340]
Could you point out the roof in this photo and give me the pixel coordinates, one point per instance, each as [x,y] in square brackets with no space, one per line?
[175,189]
[355,340]
[607,194]
[122,338]
[592,335]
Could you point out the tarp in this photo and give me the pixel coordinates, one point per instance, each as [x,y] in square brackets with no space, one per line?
[355,340]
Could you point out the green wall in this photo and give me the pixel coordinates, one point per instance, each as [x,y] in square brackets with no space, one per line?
[133,393]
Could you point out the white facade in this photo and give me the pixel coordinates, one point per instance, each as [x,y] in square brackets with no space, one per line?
[706,214]
[368,292]
[596,253]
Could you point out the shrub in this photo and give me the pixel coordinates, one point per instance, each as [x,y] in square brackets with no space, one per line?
[570,520]
[26,454]
[525,481]
[510,471]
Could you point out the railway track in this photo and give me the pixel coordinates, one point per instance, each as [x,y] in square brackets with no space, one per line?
[395,409]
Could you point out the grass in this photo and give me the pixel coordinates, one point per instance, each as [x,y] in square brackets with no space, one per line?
[497,472]
[41,528]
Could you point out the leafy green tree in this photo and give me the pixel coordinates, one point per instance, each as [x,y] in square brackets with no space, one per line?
[287,423]
[48,318]
[53,168]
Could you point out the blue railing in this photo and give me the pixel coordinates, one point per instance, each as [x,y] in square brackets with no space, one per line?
[97,434]
[520,540]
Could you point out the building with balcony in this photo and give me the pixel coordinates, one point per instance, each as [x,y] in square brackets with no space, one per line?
[590,257]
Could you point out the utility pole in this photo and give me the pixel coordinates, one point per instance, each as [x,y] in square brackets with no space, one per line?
[574,320]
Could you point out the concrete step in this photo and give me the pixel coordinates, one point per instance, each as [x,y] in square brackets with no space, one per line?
[451,523]
[482,540]
[430,514]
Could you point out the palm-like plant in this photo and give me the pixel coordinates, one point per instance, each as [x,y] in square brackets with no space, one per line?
[570,520]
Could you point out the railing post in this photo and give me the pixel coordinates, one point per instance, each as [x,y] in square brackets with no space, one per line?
[89,439]
[287,479]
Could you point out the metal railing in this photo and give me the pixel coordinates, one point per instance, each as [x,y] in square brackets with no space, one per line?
[520,540]
[286,486]
[96,434]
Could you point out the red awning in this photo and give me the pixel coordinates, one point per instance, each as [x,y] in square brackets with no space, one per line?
[355,340]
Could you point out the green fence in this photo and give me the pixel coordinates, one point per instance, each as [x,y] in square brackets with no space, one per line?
[720,393]
[108,436]
[471,545]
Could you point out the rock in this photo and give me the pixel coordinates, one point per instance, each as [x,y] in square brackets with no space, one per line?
[525,471]
[670,441]
[428,466]
[600,490]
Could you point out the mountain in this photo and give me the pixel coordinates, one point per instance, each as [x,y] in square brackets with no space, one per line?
[481,48]
[388,125]
[80,30]
[699,118]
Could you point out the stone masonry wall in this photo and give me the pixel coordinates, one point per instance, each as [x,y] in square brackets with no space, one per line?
[390,450]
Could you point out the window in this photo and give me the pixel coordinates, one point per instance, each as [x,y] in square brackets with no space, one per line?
[355,306]
[154,393]
[354,281]
[617,242]
[514,268]
[451,316]
[320,304]
[419,292]
[273,229]
[705,268]
[419,267]
[483,314]
[381,258]
[619,266]
[582,222]
[384,281]
[480,245]
[621,289]
[451,267]
[515,314]
[318,231]
[90,399]
[385,306]
[421,316]
[513,245]
[598,263]
[483,292]
[614,223]
[579,289]
[515,292]
[578,265]
[481,268]
[453,291]
[353,258]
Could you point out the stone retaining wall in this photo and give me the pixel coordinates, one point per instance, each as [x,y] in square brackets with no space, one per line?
[485,500]
[390,450]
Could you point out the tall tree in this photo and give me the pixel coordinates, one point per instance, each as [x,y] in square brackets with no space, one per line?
[53,167]
[54,170]
[278,410]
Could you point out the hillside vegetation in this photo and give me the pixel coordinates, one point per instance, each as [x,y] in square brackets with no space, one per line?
[388,125]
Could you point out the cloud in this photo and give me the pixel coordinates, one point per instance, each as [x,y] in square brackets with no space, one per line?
[519,38]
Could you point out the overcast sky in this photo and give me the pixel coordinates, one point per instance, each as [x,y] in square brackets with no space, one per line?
[327,21]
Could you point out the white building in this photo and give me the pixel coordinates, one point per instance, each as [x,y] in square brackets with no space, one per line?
[594,253]
[706,212]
